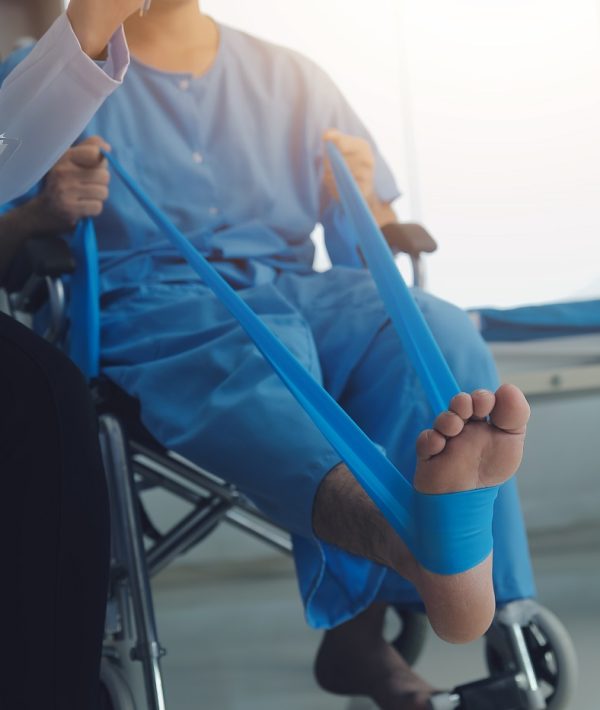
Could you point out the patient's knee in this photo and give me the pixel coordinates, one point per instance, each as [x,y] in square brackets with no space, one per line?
[465,350]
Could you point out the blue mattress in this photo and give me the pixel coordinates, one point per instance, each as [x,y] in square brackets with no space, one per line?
[553,320]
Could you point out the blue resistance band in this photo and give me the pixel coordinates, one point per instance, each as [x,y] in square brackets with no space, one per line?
[84,344]
[447,533]
[420,345]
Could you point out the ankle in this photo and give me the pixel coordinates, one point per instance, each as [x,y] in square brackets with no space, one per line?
[345,516]
[373,669]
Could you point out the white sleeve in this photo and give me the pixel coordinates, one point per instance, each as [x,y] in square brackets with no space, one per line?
[47,101]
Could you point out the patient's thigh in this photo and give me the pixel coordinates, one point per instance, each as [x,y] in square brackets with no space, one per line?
[207,393]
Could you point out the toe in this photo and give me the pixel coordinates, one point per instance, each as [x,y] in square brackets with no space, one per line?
[449,424]
[430,443]
[511,411]
[462,404]
[483,403]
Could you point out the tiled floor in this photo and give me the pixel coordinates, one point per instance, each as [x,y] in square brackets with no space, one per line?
[236,638]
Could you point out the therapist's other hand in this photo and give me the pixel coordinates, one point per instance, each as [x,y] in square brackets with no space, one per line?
[360,159]
[95,21]
[77,186]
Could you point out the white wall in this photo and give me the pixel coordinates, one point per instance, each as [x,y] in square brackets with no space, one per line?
[506,99]
[488,112]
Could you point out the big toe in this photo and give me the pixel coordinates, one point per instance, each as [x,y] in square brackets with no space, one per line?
[511,411]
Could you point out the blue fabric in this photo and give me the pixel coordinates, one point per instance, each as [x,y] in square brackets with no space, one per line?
[256,120]
[552,320]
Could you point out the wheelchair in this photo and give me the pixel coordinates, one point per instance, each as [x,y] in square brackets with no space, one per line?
[528,652]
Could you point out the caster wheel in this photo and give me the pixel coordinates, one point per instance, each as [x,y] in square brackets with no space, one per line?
[552,655]
[409,639]
[115,693]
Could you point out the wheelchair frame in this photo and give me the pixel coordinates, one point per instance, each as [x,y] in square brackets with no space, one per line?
[132,467]
[136,463]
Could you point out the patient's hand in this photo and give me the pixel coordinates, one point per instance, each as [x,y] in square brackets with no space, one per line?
[358,154]
[359,158]
[95,21]
[77,186]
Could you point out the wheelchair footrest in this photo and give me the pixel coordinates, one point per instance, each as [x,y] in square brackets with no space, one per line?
[496,693]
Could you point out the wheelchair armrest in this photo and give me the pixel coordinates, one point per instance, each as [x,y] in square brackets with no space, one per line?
[44,257]
[414,240]
[33,280]
[410,238]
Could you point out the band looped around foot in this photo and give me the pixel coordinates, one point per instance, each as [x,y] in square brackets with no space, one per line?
[453,531]
[447,533]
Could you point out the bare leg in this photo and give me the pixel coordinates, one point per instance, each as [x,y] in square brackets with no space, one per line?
[478,442]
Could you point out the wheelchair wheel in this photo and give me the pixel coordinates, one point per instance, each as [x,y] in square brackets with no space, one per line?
[115,693]
[409,640]
[552,655]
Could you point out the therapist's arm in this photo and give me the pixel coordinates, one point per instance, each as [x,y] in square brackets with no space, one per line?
[51,96]
[94,22]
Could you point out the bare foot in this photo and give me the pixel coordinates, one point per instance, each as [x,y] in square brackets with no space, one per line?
[354,659]
[477,443]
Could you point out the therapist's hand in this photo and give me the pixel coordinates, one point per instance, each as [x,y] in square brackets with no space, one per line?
[95,21]
[76,187]
[359,157]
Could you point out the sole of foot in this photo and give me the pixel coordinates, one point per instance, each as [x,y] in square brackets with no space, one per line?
[478,442]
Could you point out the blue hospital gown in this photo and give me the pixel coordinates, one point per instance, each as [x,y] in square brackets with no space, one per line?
[235,157]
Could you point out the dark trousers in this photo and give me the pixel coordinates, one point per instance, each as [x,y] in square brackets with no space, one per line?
[54,529]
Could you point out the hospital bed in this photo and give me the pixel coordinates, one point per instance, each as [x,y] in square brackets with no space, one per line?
[552,352]
[529,655]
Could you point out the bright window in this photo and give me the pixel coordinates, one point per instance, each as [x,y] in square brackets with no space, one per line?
[489,114]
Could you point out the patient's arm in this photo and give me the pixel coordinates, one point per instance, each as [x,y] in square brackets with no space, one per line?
[358,154]
[76,187]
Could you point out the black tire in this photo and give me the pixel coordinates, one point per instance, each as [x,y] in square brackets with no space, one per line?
[409,641]
[115,693]
[552,655]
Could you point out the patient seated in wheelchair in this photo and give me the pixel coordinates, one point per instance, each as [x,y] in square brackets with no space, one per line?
[225,132]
